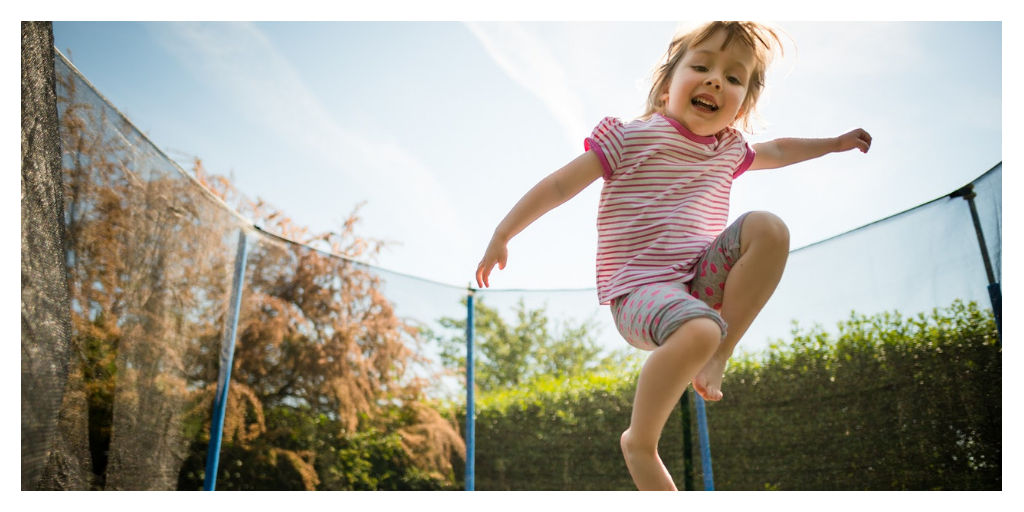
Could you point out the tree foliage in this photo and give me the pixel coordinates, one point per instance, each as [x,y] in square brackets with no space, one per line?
[510,354]
[887,403]
[319,348]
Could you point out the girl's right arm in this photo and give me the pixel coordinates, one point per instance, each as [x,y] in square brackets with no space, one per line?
[557,188]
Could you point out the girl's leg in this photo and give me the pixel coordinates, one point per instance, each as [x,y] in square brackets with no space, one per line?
[764,248]
[662,381]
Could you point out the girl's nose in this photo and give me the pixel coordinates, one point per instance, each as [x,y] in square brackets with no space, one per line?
[714,83]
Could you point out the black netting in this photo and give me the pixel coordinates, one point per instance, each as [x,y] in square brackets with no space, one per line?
[149,256]
[912,262]
[45,329]
[989,201]
[336,381]
[322,339]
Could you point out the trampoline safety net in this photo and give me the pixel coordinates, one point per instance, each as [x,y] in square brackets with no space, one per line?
[348,376]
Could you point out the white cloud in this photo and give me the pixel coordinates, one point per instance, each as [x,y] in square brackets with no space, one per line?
[240,61]
[532,65]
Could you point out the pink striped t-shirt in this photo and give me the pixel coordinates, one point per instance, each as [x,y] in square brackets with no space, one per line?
[665,199]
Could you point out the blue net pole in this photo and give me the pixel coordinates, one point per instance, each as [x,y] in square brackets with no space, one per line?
[705,443]
[227,355]
[470,421]
[995,295]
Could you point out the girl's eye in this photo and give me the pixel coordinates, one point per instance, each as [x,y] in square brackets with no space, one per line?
[701,69]
[734,80]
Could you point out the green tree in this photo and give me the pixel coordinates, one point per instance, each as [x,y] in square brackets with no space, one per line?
[322,391]
[886,403]
[509,354]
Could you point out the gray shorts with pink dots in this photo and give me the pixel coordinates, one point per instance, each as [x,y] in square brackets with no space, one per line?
[648,315]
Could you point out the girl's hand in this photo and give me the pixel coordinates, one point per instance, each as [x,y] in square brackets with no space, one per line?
[856,139]
[496,254]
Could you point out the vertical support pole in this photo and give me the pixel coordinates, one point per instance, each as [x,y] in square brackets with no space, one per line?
[705,443]
[995,294]
[470,409]
[684,413]
[227,355]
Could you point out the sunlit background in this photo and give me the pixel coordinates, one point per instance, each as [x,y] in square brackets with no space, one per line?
[439,128]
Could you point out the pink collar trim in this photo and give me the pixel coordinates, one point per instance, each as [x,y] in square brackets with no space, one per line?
[700,139]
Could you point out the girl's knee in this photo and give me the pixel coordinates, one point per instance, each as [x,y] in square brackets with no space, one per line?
[631,444]
[701,332]
[766,227]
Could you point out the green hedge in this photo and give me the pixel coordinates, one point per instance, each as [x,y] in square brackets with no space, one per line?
[889,403]
[560,434]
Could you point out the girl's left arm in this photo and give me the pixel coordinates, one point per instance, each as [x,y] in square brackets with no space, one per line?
[783,152]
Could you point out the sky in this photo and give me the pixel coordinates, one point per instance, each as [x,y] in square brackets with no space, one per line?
[440,127]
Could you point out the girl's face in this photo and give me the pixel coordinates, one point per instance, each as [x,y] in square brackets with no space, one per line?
[709,85]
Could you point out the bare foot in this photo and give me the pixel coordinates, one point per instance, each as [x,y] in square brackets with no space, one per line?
[645,466]
[708,382]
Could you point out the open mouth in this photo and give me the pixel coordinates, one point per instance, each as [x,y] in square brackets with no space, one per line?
[704,104]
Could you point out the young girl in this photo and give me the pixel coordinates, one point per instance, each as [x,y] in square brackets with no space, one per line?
[680,283]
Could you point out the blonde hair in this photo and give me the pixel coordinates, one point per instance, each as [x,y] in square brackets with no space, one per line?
[763,39]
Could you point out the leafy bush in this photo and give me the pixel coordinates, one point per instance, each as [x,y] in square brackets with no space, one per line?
[888,403]
[302,451]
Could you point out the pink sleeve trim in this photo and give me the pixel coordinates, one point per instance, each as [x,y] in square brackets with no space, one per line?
[747,160]
[591,144]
